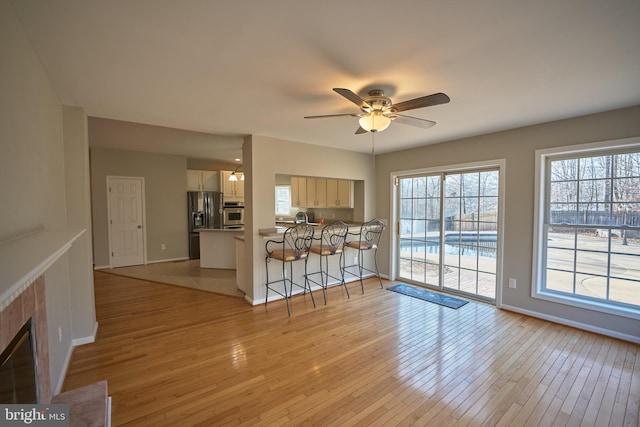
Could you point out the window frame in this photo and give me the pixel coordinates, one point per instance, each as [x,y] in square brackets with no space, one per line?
[539,265]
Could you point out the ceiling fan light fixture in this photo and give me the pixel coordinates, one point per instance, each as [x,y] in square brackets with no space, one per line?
[374,122]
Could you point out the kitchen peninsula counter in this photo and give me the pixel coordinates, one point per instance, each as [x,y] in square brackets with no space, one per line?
[217,247]
[280,227]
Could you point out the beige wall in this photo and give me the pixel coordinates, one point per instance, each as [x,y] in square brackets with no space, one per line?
[518,147]
[76,151]
[165,192]
[36,175]
[264,158]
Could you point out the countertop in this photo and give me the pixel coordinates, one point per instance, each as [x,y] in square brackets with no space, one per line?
[280,228]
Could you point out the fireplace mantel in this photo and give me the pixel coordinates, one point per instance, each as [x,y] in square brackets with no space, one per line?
[25,258]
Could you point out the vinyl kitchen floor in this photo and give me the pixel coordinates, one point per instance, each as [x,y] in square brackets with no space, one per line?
[185,273]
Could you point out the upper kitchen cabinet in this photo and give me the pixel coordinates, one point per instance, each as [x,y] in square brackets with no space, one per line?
[298,192]
[198,180]
[233,190]
[321,192]
[316,192]
[339,193]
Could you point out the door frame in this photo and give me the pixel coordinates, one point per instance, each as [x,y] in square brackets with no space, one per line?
[394,213]
[144,215]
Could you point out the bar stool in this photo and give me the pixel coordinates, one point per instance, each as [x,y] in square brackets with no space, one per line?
[332,240]
[294,246]
[368,239]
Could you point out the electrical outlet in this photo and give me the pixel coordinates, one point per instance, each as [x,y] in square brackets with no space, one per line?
[512,283]
[355,260]
[163,246]
[60,333]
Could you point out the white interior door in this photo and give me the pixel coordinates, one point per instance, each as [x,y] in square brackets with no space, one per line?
[126,220]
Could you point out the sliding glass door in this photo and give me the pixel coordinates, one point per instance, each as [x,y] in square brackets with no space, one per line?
[448,231]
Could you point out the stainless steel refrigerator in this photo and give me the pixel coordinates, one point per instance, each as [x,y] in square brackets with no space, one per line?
[204,210]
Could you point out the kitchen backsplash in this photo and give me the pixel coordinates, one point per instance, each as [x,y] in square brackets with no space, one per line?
[326,214]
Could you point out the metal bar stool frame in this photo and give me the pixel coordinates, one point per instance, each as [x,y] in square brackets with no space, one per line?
[332,240]
[368,239]
[294,246]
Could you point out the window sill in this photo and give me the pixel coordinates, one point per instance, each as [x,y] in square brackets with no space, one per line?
[566,299]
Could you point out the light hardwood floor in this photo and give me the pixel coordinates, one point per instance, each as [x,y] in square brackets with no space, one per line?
[180,357]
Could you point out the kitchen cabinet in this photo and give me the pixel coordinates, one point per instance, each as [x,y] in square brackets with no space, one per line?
[233,190]
[339,193]
[199,180]
[298,192]
[321,192]
[316,192]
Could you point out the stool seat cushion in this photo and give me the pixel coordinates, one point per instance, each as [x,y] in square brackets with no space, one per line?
[363,246]
[325,250]
[287,255]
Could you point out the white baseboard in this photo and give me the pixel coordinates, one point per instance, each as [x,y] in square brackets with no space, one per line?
[578,325]
[105,267]
[63,373]
[67,360]
[168,260]
[86,340]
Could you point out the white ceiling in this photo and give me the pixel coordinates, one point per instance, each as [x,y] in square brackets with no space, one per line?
[234,67]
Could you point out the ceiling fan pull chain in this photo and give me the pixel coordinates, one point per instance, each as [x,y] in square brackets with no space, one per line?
[373,149]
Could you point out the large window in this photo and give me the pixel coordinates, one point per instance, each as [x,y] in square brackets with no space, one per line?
[588,227]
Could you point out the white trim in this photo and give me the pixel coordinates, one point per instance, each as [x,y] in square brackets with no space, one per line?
[578,325]
[168,260]
[63,372]
[67,360]
[86,340]
[461,167]
[538,257]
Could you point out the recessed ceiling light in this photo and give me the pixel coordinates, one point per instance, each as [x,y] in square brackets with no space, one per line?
[237,160]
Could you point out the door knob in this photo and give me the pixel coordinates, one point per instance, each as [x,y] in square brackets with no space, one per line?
[139,226]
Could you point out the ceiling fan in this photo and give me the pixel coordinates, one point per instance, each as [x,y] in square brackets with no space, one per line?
[377,110]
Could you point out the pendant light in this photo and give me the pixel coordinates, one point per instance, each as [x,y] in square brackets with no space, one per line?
[234,177]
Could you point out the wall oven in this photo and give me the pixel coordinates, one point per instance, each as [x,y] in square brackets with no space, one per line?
[232,216]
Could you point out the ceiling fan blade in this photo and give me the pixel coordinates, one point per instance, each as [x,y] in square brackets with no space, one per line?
[330,115]
[361,130]
[352,97]
[425,101]
[414,121]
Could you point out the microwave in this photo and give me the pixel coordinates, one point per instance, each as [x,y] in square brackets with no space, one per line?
[233,216]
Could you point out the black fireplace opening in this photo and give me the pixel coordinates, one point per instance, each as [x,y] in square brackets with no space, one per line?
[18,369]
